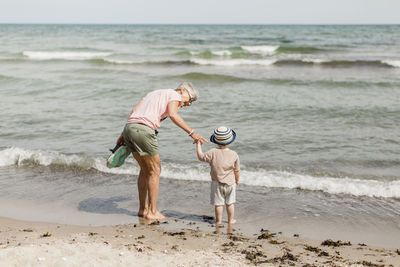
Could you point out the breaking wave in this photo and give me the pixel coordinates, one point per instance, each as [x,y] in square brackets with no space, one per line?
[234,62]
[261,49]
[215,58]
[199,76]
[393,63]
[200,172]
[65,55]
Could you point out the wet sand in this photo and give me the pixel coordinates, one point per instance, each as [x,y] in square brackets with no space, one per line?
[173,243]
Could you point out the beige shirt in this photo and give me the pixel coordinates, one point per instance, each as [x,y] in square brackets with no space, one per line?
[223,163]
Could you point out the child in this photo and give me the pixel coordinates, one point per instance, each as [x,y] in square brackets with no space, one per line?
[225,169]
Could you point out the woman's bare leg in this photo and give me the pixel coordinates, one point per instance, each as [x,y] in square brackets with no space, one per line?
[142,186]
[153,167]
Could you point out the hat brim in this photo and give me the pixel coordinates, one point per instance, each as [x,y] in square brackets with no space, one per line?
[212,139]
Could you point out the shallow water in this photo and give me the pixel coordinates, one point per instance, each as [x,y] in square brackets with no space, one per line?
[94,198]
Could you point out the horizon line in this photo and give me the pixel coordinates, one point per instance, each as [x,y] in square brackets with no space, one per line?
[203,24]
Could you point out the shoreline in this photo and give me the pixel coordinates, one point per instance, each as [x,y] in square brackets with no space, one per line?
[96,199]
[161,244]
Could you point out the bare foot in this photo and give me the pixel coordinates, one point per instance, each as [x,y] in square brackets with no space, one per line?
[232,222]
[230,229]
[218,223]
[155,216]
[141,213]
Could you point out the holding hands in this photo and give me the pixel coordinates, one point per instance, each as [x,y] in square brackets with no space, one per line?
[198,138]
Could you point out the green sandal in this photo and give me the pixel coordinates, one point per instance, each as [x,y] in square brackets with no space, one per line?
[118,157]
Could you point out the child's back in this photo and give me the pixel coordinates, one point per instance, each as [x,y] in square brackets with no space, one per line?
[225,169]
[223,162]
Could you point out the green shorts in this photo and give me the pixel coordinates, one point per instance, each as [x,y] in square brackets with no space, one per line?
[141,138]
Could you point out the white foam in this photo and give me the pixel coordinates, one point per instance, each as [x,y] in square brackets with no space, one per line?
[118,61]
[357,187]
[18,156]
[222,53]
[315,60]
[233,62]
[393,63]
[67,55]
[261,49]
[200,172]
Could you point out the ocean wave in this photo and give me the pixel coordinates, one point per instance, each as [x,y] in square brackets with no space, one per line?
[250,52]
[301,49]
[315,60]
[5,78]
[82,49]
[222,53]
[209,59]
[246,51]
[262,39]
[120,61]
[200,172]
[234,62]
[206,53]
[305,62]
[111,61]
[20,157]
[393,63]
[198,76]
[261,49]
[334,63]
[65,55]
[351,186]
[280,49]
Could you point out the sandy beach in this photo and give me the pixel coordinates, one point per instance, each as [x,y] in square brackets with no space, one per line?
[25,243]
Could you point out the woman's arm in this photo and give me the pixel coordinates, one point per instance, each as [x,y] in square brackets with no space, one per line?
[178,120]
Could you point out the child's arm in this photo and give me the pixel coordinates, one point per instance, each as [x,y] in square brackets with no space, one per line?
[200,154]
[237,175]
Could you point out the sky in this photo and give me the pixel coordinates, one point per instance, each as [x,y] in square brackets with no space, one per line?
[201,11]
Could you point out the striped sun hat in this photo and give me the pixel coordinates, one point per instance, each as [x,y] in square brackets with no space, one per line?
[223,136]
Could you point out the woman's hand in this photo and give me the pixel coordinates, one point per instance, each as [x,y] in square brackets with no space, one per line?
[198,138]
[121,140]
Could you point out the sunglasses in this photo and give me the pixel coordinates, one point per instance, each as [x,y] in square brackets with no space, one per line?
[188,103]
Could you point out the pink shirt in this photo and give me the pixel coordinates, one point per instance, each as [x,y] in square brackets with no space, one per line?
[154,108]
[223,163]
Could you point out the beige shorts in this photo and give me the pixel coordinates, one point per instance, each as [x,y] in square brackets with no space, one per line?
[222,194]
[141,138]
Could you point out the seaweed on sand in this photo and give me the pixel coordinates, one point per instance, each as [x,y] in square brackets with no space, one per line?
[331,243]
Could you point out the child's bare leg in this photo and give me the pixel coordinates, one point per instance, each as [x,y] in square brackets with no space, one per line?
[230,209]
[218,214]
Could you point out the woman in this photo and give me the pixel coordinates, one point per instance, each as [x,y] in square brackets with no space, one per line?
[140,135]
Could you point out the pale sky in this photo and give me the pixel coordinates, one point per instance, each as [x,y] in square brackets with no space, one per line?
[201,11]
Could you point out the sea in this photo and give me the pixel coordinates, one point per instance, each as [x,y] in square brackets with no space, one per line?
[316,110]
